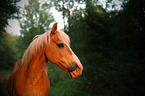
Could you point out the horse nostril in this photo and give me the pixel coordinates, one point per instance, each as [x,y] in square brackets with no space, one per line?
[73,67]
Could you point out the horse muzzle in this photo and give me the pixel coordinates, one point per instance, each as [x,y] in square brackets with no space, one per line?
[75,70]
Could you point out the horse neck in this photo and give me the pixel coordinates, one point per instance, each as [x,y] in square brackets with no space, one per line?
[36,67]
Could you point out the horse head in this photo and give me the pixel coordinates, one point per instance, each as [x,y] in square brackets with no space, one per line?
[58,51]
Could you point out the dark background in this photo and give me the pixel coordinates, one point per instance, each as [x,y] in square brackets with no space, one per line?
[109,43]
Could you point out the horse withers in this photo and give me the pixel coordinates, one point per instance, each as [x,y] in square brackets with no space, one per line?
[29,76]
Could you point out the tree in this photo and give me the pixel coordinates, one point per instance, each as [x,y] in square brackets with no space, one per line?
[129,30]
[8,8]
[36,19]
[7,51]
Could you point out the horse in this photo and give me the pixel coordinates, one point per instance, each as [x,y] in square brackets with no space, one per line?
[29,76]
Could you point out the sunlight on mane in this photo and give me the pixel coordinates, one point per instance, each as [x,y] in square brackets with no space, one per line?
[64,37]
[35,46]
[40,43]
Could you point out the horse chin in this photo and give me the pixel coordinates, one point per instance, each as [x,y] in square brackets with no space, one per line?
[76,73]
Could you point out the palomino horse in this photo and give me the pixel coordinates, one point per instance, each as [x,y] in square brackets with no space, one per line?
[29,76]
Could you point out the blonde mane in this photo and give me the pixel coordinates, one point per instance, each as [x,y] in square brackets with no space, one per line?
[39,43]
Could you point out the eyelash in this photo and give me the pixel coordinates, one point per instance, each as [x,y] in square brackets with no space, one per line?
[61,45]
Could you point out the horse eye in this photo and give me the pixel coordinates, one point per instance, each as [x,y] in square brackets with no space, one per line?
[60,45]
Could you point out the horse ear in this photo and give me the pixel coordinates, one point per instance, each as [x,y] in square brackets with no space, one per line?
[54,28]
[62,29]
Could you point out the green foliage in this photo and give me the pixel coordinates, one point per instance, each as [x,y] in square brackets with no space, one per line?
[8,8]
[36,20]
[110,47]
[130,27]
[7,51]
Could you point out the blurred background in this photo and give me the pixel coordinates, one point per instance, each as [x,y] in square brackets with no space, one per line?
[108,36]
